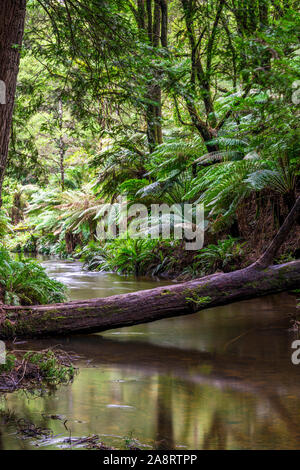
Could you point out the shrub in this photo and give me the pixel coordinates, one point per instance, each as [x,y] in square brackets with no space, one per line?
[22,242]
[128,256]
[9,364]
[220,256]
[52,369]
[5,225]
[25,282]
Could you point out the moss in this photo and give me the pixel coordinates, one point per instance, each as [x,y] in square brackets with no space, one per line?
[25,327]
[188,292]
[251,284]
[8,328]
[166,292]
[199,300]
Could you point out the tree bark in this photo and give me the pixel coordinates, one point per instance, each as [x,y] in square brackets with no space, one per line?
[157,30]
[201,77]
[270,253]
[12,21]
[97,315]
[61,144]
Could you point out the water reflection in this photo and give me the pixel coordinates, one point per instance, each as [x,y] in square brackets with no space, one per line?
[87,285]
[219,379]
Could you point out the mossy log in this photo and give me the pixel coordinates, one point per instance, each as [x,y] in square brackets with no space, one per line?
[97,315]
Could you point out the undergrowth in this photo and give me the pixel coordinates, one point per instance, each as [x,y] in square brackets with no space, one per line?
[25,282]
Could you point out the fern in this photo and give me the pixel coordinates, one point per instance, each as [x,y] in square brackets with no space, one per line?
[279,180]
[25,282]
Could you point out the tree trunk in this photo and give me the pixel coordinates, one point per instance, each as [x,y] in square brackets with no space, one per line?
[97,315]
[62,148]
[203,126]
[12,21]
[270,253]
[157,30]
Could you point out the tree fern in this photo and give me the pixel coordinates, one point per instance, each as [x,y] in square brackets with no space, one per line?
[222,187]
[279,180]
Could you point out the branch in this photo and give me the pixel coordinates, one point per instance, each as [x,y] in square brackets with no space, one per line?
[267,257]
[213,35]
[228,114]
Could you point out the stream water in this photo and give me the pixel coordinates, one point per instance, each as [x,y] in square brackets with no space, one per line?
[219,379]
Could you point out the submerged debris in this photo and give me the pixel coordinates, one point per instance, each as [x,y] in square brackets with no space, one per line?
[42,436]
[91,442]
[25,428]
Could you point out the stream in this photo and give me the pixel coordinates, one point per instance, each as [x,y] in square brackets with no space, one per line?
[219,379]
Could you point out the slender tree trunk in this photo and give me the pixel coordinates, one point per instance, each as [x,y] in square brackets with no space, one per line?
[62,148]
[264,12]
[17,208]
[199,78]
[268,256]
[157,29]
[12,19]
[141,14]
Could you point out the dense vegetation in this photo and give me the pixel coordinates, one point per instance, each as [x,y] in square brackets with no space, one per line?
[40,371]
[25,282]
[164,102]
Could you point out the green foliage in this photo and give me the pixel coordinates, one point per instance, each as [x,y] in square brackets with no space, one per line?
[222,256]
[74,211]
[129,256]
[25,282]
[222,187]
[10,361]
[118,163]
[93,255]
[52,370]
[175,156]
[5,225]
[281,179]
[46,243]
[284,258]
[221,97]
[198,300]
[25,242]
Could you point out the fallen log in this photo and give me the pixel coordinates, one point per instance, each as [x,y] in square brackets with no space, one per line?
[97,315]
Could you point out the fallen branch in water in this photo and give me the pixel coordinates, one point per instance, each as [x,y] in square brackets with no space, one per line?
[97,315]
